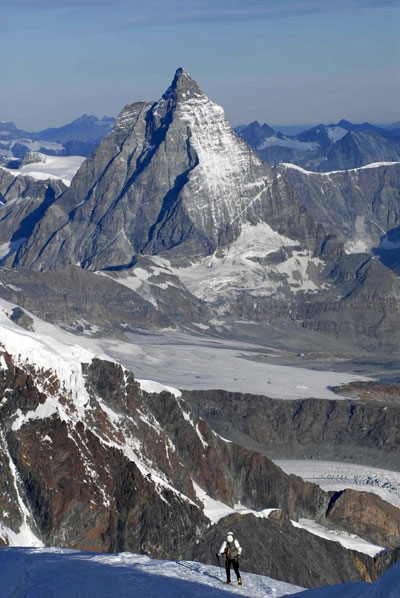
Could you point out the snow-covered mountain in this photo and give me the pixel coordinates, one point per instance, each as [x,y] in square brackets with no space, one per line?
[173,178]
[175,206]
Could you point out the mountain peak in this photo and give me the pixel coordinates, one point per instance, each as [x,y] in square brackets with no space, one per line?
[183,87]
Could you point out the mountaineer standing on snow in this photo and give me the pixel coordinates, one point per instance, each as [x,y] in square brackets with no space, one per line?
[231,549]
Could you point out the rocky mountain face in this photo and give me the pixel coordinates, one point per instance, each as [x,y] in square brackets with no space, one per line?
[363,430]
[359,206]
[23,201]
[255,134]
[173,178]
[358,148]
[326,147]
[99,464]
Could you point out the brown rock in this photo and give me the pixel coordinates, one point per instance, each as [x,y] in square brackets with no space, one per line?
[366,515]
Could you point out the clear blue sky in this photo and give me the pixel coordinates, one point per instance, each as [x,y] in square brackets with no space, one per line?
[277,61]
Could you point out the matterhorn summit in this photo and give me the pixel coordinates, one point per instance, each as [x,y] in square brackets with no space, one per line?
[172,178]
[183,87]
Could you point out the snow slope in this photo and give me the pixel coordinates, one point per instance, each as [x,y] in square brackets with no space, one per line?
[50,572]
[45,573]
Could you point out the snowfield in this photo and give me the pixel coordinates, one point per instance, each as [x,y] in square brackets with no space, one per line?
[199,362]
[45,573]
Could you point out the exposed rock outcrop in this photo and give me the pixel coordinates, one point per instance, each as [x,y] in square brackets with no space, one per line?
[349,506]
[359,206]
[364,431]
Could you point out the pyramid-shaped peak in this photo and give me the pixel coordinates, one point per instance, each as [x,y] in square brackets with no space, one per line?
[183,87]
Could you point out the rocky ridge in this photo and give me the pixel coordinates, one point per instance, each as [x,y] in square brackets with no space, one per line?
[361,426]
[360,206]
[78,138]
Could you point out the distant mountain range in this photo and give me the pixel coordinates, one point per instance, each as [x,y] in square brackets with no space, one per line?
[79,137]
[326,147]
[321,148]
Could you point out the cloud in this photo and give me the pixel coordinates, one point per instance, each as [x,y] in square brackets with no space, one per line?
[104,17]
[147,12]
[158,12]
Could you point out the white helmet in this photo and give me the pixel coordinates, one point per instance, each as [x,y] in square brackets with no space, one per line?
[229,536]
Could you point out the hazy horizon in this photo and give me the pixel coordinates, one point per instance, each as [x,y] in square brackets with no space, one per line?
[297,62]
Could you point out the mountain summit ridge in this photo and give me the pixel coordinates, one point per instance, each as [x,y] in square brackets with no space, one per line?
[172,178]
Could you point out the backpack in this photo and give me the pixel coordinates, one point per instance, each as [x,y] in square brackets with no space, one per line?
[231,550]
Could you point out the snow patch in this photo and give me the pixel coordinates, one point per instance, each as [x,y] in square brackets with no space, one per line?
[349,541]
[24,537]
[52,167]
[296,144]
[336,133]
[151,386]
[216,510]
[242,265]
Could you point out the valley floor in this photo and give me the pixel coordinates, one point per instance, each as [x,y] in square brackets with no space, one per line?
[192,362]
